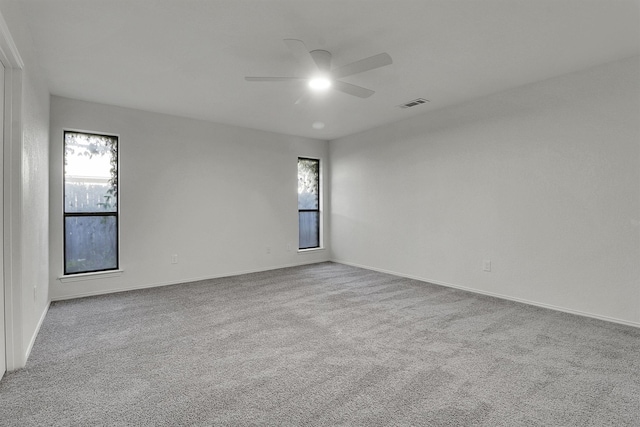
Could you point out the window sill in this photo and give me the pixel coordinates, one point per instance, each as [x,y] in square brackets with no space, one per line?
[90,276]
[302,251]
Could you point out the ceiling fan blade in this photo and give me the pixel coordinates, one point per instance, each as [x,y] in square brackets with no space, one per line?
[275,79]
[354,90]
[301,53]
[366,64]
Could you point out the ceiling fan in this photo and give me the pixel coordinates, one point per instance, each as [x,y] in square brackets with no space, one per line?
[321,76]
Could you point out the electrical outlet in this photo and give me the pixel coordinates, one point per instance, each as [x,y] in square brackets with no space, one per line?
[268,250]
[288,247]
[35,292]
[174,259]
[486,265]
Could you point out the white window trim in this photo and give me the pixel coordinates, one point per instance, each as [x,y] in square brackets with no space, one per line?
[102,273]
[301,251]
[90,276]
[320,206]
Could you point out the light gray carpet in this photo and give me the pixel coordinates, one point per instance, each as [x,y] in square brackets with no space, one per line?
[324,344]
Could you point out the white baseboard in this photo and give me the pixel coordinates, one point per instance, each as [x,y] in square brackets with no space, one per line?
[366,267]
[492,294]
[36,331]
[176,282]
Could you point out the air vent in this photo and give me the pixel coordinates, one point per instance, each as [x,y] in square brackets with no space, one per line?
[413,103]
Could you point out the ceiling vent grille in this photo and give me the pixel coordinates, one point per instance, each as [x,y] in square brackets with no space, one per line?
[413,103]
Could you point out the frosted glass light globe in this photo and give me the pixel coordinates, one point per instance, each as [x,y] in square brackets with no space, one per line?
[319,83]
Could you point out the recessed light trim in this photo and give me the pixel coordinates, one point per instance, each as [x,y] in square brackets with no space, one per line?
[318,125]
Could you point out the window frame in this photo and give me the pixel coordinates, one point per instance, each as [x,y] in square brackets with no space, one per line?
[318,210]
[66,215]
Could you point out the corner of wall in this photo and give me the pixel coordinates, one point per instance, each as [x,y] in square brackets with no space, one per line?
[25,173]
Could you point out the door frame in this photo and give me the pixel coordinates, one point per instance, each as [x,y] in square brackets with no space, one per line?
[11,283]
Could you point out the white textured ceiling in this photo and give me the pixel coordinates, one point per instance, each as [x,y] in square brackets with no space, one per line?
[189,57]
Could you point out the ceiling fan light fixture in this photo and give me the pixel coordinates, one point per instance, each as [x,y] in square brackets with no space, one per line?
[319,83]
[323,77]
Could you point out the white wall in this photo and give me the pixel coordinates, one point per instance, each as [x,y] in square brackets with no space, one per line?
[28,195]
[543,180]
[216,195]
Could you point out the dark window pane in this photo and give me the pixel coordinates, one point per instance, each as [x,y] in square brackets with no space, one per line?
[308,184]
[308,235]
[90,173]
[90,243]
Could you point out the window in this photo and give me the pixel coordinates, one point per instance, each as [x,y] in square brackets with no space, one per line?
[308,203]
[90,202]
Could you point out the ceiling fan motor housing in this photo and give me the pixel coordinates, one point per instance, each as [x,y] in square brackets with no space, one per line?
[323,59]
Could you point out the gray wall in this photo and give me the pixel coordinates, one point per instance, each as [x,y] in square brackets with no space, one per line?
[223,198]
[27,194]
[543,180]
